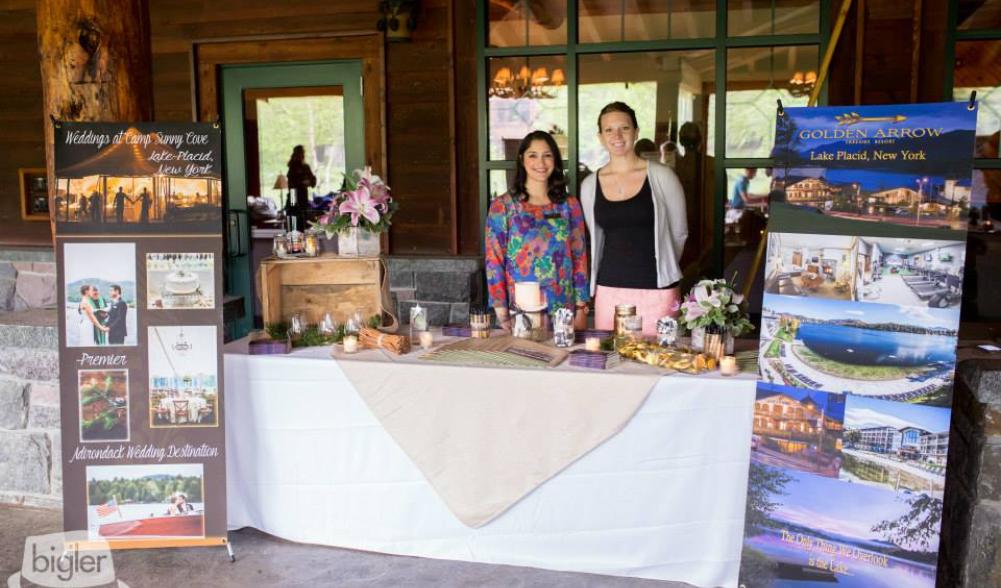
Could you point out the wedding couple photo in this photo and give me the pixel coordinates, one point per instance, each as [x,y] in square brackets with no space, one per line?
[100,294]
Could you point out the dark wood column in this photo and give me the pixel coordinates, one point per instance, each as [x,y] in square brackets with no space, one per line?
[96,64]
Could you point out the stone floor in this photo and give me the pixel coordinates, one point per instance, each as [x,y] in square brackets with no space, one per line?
[264,561]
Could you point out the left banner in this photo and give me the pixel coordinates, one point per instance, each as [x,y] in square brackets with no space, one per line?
[138,210]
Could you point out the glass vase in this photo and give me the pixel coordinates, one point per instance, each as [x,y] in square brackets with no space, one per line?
[357,242]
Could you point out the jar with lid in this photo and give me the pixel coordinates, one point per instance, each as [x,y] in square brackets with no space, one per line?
[623,311]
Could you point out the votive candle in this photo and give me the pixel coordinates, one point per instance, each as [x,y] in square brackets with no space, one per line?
[592,344]
[728,365]
[427,339]
[350,343]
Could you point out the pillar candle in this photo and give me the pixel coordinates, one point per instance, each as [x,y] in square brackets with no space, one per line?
[728,365]
[350,344]
[592,344]
[527,295]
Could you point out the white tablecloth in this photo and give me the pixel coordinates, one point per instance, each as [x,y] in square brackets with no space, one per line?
[663,499]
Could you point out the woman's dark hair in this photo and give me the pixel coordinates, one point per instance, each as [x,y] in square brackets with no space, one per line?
[298,156]
[618,107]
[557,182]
[84,289]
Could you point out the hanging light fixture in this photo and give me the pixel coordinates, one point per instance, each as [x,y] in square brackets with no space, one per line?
[399,18]
[527,83]
[181,346]
[802,83]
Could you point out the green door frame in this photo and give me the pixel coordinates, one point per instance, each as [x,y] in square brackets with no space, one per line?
[234,79]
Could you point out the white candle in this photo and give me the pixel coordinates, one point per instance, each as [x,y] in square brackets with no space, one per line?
[427,339]
[350,344]
[592,344]
[728,365]
[527,294]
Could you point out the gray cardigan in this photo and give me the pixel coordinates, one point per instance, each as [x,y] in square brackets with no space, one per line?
[670,223]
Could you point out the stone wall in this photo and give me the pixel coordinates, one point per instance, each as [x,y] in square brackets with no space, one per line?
[30,444]
[27,279]
[30,465]
[445,286]
[970,552]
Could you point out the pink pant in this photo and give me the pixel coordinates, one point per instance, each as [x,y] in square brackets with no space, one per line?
[650,304]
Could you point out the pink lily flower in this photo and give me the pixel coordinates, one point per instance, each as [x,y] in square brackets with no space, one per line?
[358,203]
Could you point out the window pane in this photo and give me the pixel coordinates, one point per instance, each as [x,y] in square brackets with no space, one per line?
[603,21]
[977,69]
[526,94]
[772,17]
[278,119]
[979,14]
[746,205]
[500,180]
[519,23]
[755,79]
[668,91]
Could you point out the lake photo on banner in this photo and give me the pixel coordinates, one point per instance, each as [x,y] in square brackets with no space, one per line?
[874,347]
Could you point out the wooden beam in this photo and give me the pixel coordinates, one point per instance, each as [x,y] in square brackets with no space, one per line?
[96,65]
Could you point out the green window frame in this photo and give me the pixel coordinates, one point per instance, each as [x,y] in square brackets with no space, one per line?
[720,43]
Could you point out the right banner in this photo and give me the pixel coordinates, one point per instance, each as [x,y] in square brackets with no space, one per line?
[863,285]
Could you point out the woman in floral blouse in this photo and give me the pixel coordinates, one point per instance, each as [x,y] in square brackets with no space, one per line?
[535,233]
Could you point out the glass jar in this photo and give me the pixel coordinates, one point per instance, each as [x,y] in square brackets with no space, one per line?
[623,311]
[311,244]
[278,248]
[479,323]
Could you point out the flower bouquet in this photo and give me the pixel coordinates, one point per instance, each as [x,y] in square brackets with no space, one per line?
[359,213]
[714,306]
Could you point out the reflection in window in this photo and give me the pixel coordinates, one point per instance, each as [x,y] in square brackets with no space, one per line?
[314,121]
[526,94]
[756,78]
[745,220]
[772,17]
[604,21]
[668,92]
[520,23]
[976,69]
[978,14]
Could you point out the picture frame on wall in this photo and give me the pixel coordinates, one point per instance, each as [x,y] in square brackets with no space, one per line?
[34,193]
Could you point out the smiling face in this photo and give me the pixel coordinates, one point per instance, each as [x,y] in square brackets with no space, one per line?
[617,133]
[539,161]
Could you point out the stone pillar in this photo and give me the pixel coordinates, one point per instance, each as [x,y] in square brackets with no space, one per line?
[970,552]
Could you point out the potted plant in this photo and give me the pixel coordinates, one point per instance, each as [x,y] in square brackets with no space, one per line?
[714,307]
[359,214]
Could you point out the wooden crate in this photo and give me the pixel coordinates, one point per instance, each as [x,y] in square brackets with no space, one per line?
[339,285]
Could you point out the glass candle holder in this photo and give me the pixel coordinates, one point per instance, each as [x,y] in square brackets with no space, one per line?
[296,326]
[327,325]
[632,327]
[311,244]
[563,330]
[479,323]
[278,245]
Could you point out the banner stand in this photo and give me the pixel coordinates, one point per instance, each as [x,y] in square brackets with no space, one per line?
[139,255]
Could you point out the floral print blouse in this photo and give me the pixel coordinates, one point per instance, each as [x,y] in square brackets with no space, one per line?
[530,243]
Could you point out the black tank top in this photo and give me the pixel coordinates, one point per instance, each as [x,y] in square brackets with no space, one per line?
[628,258]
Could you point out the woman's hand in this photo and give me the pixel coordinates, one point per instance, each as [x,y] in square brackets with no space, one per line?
[503,318]
[103,328]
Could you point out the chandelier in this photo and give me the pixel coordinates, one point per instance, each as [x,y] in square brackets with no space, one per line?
[182,346]
[802,84]
[526,84]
